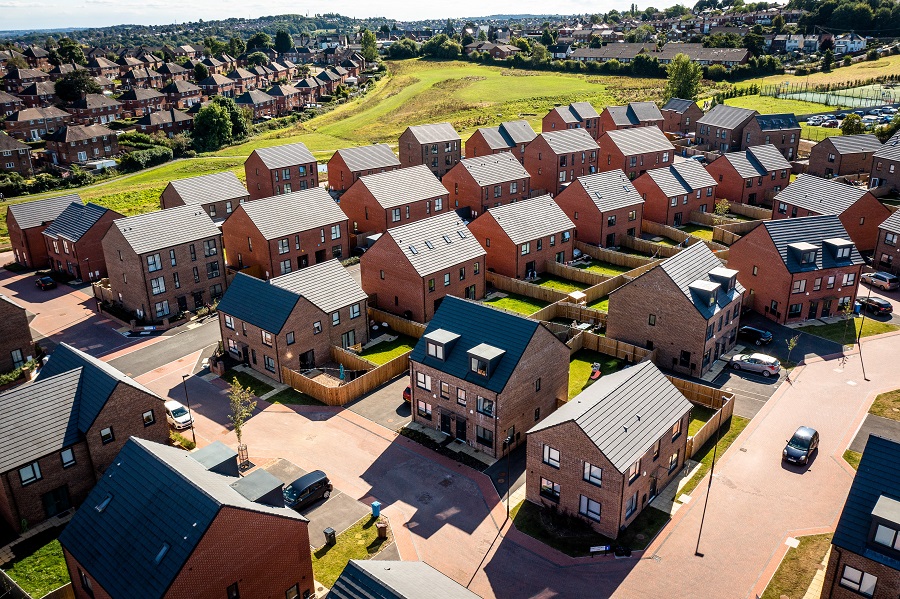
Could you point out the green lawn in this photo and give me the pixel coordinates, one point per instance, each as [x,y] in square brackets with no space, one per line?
[887,405]
[736,425]
[601,304]
[701,231]
[42,571]
[518,303]
[386,351]
[256,386]
[799,566]
[560,284]
[573,536]
[293,397]
[580,369]
[853,458]
[841,332]
[700,415]
[360,541]
[773,105]
[604,268]
[818,133]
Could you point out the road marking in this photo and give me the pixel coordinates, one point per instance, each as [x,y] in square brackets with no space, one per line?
[851,383]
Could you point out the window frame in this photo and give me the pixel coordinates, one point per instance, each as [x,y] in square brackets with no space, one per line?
[590,476]
[550,456]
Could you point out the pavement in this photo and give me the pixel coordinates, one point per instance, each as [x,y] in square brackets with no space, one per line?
[808,346]
[875,425]
[385,405]
[204,337]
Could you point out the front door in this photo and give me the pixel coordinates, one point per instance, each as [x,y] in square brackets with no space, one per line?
[461,428]
[320,256]
[446,423]
[308,359]
[56,501]
[198,299]
[303,261]
[813,308]
[652,488]
[610,240]
[245,354]
[677,221]
[182,303]
[470,293]
[530,269]
[826,308]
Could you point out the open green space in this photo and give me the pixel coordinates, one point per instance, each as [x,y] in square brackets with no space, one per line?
[256,386]
[700,231]
[734,427]
[865,69]
[601,303]
[604,268]
[560,284]
[853,458]
[814,133]
[846,334]
[40,572]
[295,398]
[360,541]
[887,405]
[388,350]
[773,105]
[700,415]
[580,369]
[798,567]
[517,303]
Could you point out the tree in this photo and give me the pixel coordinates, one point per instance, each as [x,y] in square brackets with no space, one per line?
[257,59]
[721,209]
[385,29]
[212,128]
[827,43]
[73,86]
[283,41]
[482,36]
[852,125]
[716,72]
[827,60]
[369,47]
[200,72]
[260,41]
[684,78]
[547,38]
[440,46]
[755,43]
[214,46]
[791,344]
[539,53]
[405,48]
[70,51]
[846,310]
[778,23]
[236,46]
[645,65]
[16,62]
[242,406]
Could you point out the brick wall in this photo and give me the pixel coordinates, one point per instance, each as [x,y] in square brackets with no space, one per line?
[733,187]
[263,182]
[592,226]
[674,122]
[436,156]
[477,146]
[105,146]
[20,160]
[28,245]
[340,177]
[658,206]
[367,215]
[786,140]
[86,255]
[15,334]
[887,172]
[887,255]
[465,192]
[844,164]
[861,220]
[886,587]
[544,166]
[611,158]
[506,258]
[216,209]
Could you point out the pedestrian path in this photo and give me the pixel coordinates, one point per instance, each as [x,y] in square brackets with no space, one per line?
[6,553]
[818,581]
[277,387]
[668,499]
[719,365]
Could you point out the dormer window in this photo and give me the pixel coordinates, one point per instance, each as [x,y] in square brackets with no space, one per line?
[435,350]
[808,257]
[842,253]
[479,366]
[887,536]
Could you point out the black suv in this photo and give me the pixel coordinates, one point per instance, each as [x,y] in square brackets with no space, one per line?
[754,335]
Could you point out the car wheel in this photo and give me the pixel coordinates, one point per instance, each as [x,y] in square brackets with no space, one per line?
[326,494]
[735,365]
[766,373]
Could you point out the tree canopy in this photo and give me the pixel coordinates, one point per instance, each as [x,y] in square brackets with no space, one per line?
[260,40]
[283,41]
[73,86]
[369,46]
[218,124]
[684,78]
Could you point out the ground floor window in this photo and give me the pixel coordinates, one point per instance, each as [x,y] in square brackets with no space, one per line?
[549,489]
[795,310]
[631,506]
[858,581]
[270,363]
[484,436]
[162,308]
[590,508]
[424,409]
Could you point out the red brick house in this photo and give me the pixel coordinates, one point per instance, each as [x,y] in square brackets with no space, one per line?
[95,108]
[218,85]
[73,240]
[555,159]
[128,64]
[142,78]
[349,164]
[280,169]
[218,194]
[171,122]
[193,556]
[520,238]
[377,202]
[752,176]
[481,375]
[886,248]
[843,155]
[80,143]
[61,70]
[578,115]
[16,344]
[635,151]
[722,128]
[259,103]
[292,321]
[15,156]
[593,458]
[672,193]
[886,165]
[437,146]
[182,94]
[62,432]
[37,58]
[860,212]
[9,104]
[309,89]
[605,208]
[680,116]
[413,267]
[510,136]
[287,232]
[140,101]
[16,80]
[687,308]
[287,98]
[798,268]
[171,72]
[26,223]
[490,180]
[31,124]
[39,95]
[780,130]
[100,66]
[635,114]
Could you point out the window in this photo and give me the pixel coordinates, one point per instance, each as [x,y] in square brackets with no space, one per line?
[551,456]
[292,593]
[540,244]
[270,363]
[68,456]
[148,417]
[632,215]
[514,187]
[430,285]
[890,239]
[446,279]
[589,508]
[209,247]
[107,435]
[266,338]
[549,489]
[232,592]
[395,215]
[17,358]
[30,473]
[485,406]
[284,246]
[843,252]
[849,279]
[651,320]
[794,310]
[673,461]
[858,581]
[593,474]
[634,470]
[829,283]
[631,506]
[317,327]
[335,318]
[212,269]
[445,390]
[484,436]
[423,381]
[566,235]
[424,409]
[354,311]
[526,248]
[798,286]
[887,536]
[153,263]
[285,266]
[552,240]
[808,257]
[85,583]
[782,208]
[215,291]
[676,430]
[158,285]
[611,221]
[656,450]
[476,268]
[335,232]
[684,359]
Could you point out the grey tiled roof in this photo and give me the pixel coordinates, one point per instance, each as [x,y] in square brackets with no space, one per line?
[726,117]
[570,140]
[403,186]
[610,190]
[206,189]
[163,117]
[372,157]
[434,133]
[254,97]
[38,212]
[821,196]
[855,144]
[291,213]
[634,113]
[75,221]
[179,87]
[576,112]
[692,264]
[624,413]
[425,243]
[678,105]
[892,224]
[378,579]
[508,134]
[255,301]
[10,143]
[327,285]
[640,140]
[494,169]
[813,230]
[682,178]
[756,161]
[92,101]
[285,156]
[166,228]
[530,219]
[775,122]
[891,149]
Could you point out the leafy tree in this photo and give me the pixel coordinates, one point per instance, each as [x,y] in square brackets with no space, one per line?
[547,38]
[645,65]
[242,406]
[596,42]
[683,78]
[852,125]
[369,47]
[640,34]
[827,60]
[283,41]
[778,23]
[260,41]
[482,36]
[848,60]
[200,72]
[466,39]
[212,128]
[539,53]
[214,46]
[885,132]
[440,46]
[755,43]
[385,29]
[716,72]
[70,51]
[16,62]
[73,86]
[405,48]
[827,43]
[257,59]
[677,10]
[236,46]
[522,44]
[791,344]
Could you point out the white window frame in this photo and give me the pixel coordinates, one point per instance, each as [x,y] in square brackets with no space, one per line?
[551,456]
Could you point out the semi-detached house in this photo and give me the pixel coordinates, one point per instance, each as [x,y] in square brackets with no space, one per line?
[349,164]
[635,151]
[74,238]
[26,223]
[218,194]
[634,114]
[509,136]
[672,193]
[841,155]
[479,183]
[280,169]
[437,146]
[887,248]
[555,159]
[886,165]
[722,128]
[578,115]
[752,176]
[605,208]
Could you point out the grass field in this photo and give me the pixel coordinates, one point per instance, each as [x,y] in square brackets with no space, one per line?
[517,303]
[42,571]
[248,381]
[701,231]
[841,332]
[604,268]
[773,105]
[601,304]
[861,70]
[580,369]
[798,568]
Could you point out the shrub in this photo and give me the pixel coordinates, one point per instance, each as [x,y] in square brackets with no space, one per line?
[141,159]
[716,72]
[872,54]
[182,440]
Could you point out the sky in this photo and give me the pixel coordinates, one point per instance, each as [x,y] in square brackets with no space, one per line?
[28,14]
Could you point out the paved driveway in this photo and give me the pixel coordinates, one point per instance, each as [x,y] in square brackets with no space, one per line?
[808,346]
[385,405]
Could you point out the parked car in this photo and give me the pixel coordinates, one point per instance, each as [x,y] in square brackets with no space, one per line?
[755,335]
[759,363]
[831,124]
[860,112]
[875,111]
[880,279]
[815,120]
[45,283]
[876,305]
[407,394]
[307,490]
[801,446]
[177,415]
[889,110]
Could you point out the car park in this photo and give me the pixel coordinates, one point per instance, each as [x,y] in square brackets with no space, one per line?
[889,110]
[875,111]
[755,335]
[860,112]
[177,415]
[880,279]
[801,446]
[876,305]
[887,118]
[45,283]
[758,363]
[307,490]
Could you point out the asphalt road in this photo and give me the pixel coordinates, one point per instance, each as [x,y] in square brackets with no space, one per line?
[169,349]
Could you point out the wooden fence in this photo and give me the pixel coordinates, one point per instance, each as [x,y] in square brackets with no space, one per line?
[397,323]
[531,290]
[709,397]
[605,288]
[339,396]
[351,360]
[610,347]
[570,312]
[710,220]
[660,230]
[575,274]
[612,257]
[63,592]
[754,212]
[9,589]
[656,250]
[728,234]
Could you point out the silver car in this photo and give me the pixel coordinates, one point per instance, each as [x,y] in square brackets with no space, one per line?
[760,363]
[882,280]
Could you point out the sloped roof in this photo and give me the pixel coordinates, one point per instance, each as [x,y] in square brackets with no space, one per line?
[403,186]
[282,91]
[180,87]
[726,117]
[682,178]
[38,212]
[892,223]
[255,301]
[531,219]
[569,140]
[10,143]
[434,133]
[327,285]
[822,196]
[76,220]
[136,94]
[891,149]
[436,243]
[623,413]
[757,161]
[678,105]
[508,134]
[166,228]
[285,156]
[206,189]
[610,190]
[72,133]
[494,169]
[162,117]
[776,122]
[216,80]
[28,114]
[92,101]
[291,213]
[371,157]
[477,324]
[576,112]
[378,579]
[640,140]
[254,97]
[813,230]
[634,113]
[854,144]
[159,496]
[693,264]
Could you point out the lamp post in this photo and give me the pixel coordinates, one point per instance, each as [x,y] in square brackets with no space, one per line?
[859,335]
[90,272]
[712,471]
[506,447]
[187,399]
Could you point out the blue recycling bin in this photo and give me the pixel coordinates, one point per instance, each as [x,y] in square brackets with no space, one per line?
[857,308]
[376,509]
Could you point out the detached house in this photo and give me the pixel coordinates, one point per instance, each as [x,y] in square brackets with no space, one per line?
[578,115]
[436,146]
[680,116]
[887,248]
[171,72]
[31,124]
[510,136]
[218,194]
[259,103]
[722,128]
[611,449]
[349,164]
[280,169]
[176,512]
[165,262]
[843,155]
[687,308]
[860,212]
[491,180]
[287,232]
[605,208]
[798,269]
[217,85]
[555,159]
[26,223]
[16,344]
[413,267]
[482,376]
[73,240]
[752,176]
[635,114]
[80,143]
[886,165]
[780,130]
[635,151]
[672,193]
[292,321]
[362,579]
[520,238]
[62,432]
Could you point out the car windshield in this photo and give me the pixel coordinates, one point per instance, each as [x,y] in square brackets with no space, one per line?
[179,412]
[291,493]
[798,442]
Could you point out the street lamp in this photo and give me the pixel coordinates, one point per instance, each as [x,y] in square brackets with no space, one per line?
[187,399]
[712,471]
[90,272]
[506,447]
[859,335]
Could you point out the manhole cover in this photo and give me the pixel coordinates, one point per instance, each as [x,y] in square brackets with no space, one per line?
[640,536]
[424,499]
